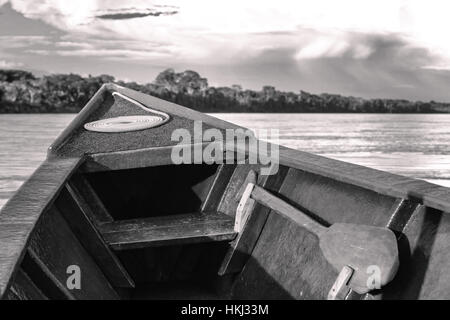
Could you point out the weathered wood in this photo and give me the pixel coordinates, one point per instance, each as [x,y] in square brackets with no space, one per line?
[57,248]
[282,207]
[228,204]
[340,289]
[329,201]
[401,213]
[242,247]
[44,278]
[344,244]
[382,182]
[79,217]
[149,157]
[24,288]
[244,207]
[361,247]
[81,186]
[168,230]
[385,183]
[215,194]
[287,261]
[425,254]
[20,214]
[143,193]
[252,177]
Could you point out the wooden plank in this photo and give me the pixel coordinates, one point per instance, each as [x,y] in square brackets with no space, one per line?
[219,185]
[382,182]
[98,212]
[287,260]
[148,157]
[168,230]
[241,248]
[329,201]
[229,203]
[23,288]
[57,248]
[286,263]
[385,183]
[44,278]
[79,217]
[401,213]
[425,254]
[20,214]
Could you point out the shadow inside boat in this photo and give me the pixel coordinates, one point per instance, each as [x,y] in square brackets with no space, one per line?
[189,272]
[415,251]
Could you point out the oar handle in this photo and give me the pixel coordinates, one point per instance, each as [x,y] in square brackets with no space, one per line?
[282,207]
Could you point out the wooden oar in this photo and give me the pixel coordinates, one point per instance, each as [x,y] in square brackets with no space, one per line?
[361,247]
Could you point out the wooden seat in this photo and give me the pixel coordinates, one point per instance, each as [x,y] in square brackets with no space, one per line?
[168,230]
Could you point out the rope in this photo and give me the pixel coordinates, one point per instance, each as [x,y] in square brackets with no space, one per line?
[129,123]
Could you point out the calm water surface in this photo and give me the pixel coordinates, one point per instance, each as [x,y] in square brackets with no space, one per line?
[413,145]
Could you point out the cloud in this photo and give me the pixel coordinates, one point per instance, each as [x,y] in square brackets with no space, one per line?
[132,13]
[393,69]
[201,29]
[437,67]
[10,65]
[373,47]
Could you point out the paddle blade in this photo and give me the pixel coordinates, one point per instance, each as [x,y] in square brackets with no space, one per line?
[371,252]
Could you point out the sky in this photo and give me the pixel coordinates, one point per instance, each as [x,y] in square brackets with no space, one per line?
[371,48]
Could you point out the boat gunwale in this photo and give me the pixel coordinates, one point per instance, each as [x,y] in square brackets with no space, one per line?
[53,173]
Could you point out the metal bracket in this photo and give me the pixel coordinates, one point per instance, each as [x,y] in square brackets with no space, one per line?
[241,216]
[340,288]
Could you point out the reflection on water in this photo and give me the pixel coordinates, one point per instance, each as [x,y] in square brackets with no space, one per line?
[413,145]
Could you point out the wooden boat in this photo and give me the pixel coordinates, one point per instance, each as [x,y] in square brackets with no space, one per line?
[109,216]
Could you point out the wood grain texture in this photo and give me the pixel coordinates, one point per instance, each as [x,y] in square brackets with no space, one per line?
[81,186]
[286,263]
[57,248]
[361,247]
[242,247]
[168,230]
[289,257]
[382,182]
[357,246]
[329,201]
[24,288]
[142,158]
[20,214]
[79,217]
[229,203]
[215,194]
[44,277]
[423,272]
[385,183]
[289,211]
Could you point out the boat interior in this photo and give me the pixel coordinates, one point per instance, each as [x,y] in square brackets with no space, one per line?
[115,211]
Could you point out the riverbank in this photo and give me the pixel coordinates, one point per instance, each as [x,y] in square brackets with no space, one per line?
[22,92]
